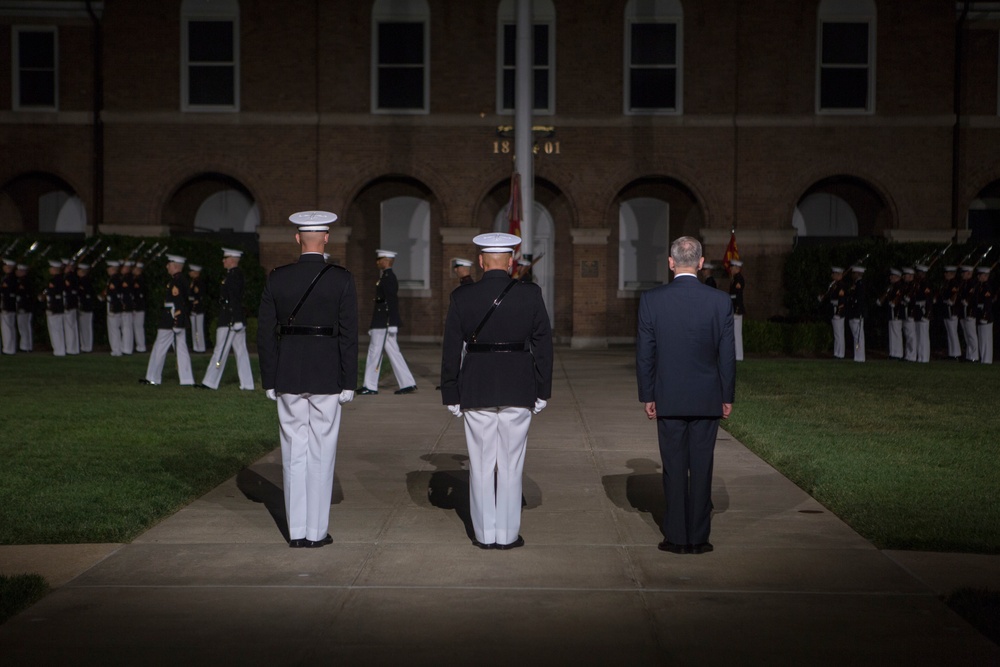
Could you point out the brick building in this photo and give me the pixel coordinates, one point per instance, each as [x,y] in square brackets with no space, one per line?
[781,119]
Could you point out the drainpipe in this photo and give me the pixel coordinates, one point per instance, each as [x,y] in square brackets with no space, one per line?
[98,130]
[956,129]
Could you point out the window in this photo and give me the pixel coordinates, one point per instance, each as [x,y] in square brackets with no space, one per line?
[210,51]
[400,56]
[846,57]
[653,56]
[543,18]
[406,230]
[643,247]
[36,80]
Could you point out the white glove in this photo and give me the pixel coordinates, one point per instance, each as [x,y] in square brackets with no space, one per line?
[271,394]
[238,326]
[539,405]
[394,330]
[455,410]
[346,396]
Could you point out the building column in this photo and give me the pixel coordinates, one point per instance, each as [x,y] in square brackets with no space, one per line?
[590,288]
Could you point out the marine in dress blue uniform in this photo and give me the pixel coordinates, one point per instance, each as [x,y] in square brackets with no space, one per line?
[8,307]
[231,332]
[54,297]
[384,331]
[171,329]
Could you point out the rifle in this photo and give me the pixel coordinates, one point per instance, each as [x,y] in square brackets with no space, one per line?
[9,249]
[135,251]
[984,255]
[101,256]
[936,255]
[971,253]
[150,250]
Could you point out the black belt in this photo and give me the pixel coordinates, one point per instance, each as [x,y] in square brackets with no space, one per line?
[300,330]
[497,347]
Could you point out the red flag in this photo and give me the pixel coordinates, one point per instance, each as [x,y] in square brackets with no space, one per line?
[732,252]
[514,209]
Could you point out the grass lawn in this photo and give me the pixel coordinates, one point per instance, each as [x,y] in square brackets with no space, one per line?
[907,454]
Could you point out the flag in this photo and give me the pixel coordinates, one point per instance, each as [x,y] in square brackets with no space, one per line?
[514,210]
[732,252]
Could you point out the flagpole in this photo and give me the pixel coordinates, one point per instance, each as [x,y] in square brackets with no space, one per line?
[523,138]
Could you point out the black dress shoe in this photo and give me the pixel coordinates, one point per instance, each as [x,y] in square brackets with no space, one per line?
[201,386]
[316,544]
[145,381]
[477,543]
[406,390]
[702,548]
[365,391]
[673,548]
[299,543]
[519,542]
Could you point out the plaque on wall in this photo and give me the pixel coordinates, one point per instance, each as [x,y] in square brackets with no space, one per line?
[590,269]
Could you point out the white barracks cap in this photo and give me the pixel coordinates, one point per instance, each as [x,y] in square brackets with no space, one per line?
[177,259]
[313,221]
[497,242]
[391,254]
[229,252]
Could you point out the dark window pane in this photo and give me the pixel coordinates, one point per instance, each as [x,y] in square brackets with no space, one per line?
[845,43]
[210,86]
[541,45]
[843,88]
[508,89]
[400,88]
[210,41]
[38,89]
[509,45]
[401,43]
[653,89]
[541,89]
[654,44]
[36,50]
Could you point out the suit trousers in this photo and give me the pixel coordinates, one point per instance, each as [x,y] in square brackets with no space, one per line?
[310,426]
[895,339]
[951,329]
[8,331]
[71,334]
[738,336]
[838,337]
[85,327]
[128,339]
[386,340]
[139,330]
[164,339]
[57,333]
[24,326]
[687,449]
[198,332]
[226,338]
[115,333]
[971,338]
[497,439]
[985,334]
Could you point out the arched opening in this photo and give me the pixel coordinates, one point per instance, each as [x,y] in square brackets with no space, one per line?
[212,203]
[839,208]
[544,243]
[983,219]
[41,203]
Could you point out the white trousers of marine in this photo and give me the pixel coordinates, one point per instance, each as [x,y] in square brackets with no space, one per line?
[8,331]
[985,334]
[838,336]
[971,339]
[139,330]
[165,338]
[923,329]
[85,327]
[57,333]
[951,329]
[226,338]
[858,334]
[909,339]
[738,335]
[895,339]
[115,333]
[198,332]
[128,341]
[497,439]
[310,426]
[71,335]
[386,340]
[24,320]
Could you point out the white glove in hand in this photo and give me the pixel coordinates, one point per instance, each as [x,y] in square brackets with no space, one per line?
[394,330]
[455,410]
[238,326]
[271,394]
[539,405]
[346,396]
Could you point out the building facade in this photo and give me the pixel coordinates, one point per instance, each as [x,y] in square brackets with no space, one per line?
[781,120]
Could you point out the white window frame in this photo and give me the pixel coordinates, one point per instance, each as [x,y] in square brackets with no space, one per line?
[542,13]
[656,11]
[16,69]
[846,11]
[627,255]
[401,11]
[413,246]
[207,11]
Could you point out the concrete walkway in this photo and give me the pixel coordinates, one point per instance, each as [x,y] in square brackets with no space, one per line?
[788,583]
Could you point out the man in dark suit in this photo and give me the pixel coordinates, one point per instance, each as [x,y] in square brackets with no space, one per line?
[309,313]
[686,370]
[496,371]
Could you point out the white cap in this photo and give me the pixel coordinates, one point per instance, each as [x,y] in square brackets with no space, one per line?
[313,221]
[391,254]
[497,242]
[194,267]
[708,265]
[9,262]
[523,262]
[55,264]
[857,269]
[951,268]
[139,265]
[65,260]
[907,269]
[114,262]
[85,267]
[22,267]
[460,261]
[967,267]
[735,262]
[836,269]
[177,259]
[229,252]
[895,272]
[983,269]
[923,268]
[128,262]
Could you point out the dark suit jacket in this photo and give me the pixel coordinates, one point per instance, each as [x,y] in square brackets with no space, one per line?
[386,313]
[685,350]
[494,379]
[309,364]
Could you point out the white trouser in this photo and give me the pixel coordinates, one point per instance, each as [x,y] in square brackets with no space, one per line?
[497,439]
[909,339]
[895,339]
[310,425]
[115,333]
[128,341]
[951,328]
[164,339]
[971,338]
[858,333]
[386,340]
[985,333]
[139,330]
[923,329]
[738,335]
[838,336]
[24,320]
[8,331]
[85,327]
[57,333]
[198,332]
[71,333]
[226,338]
